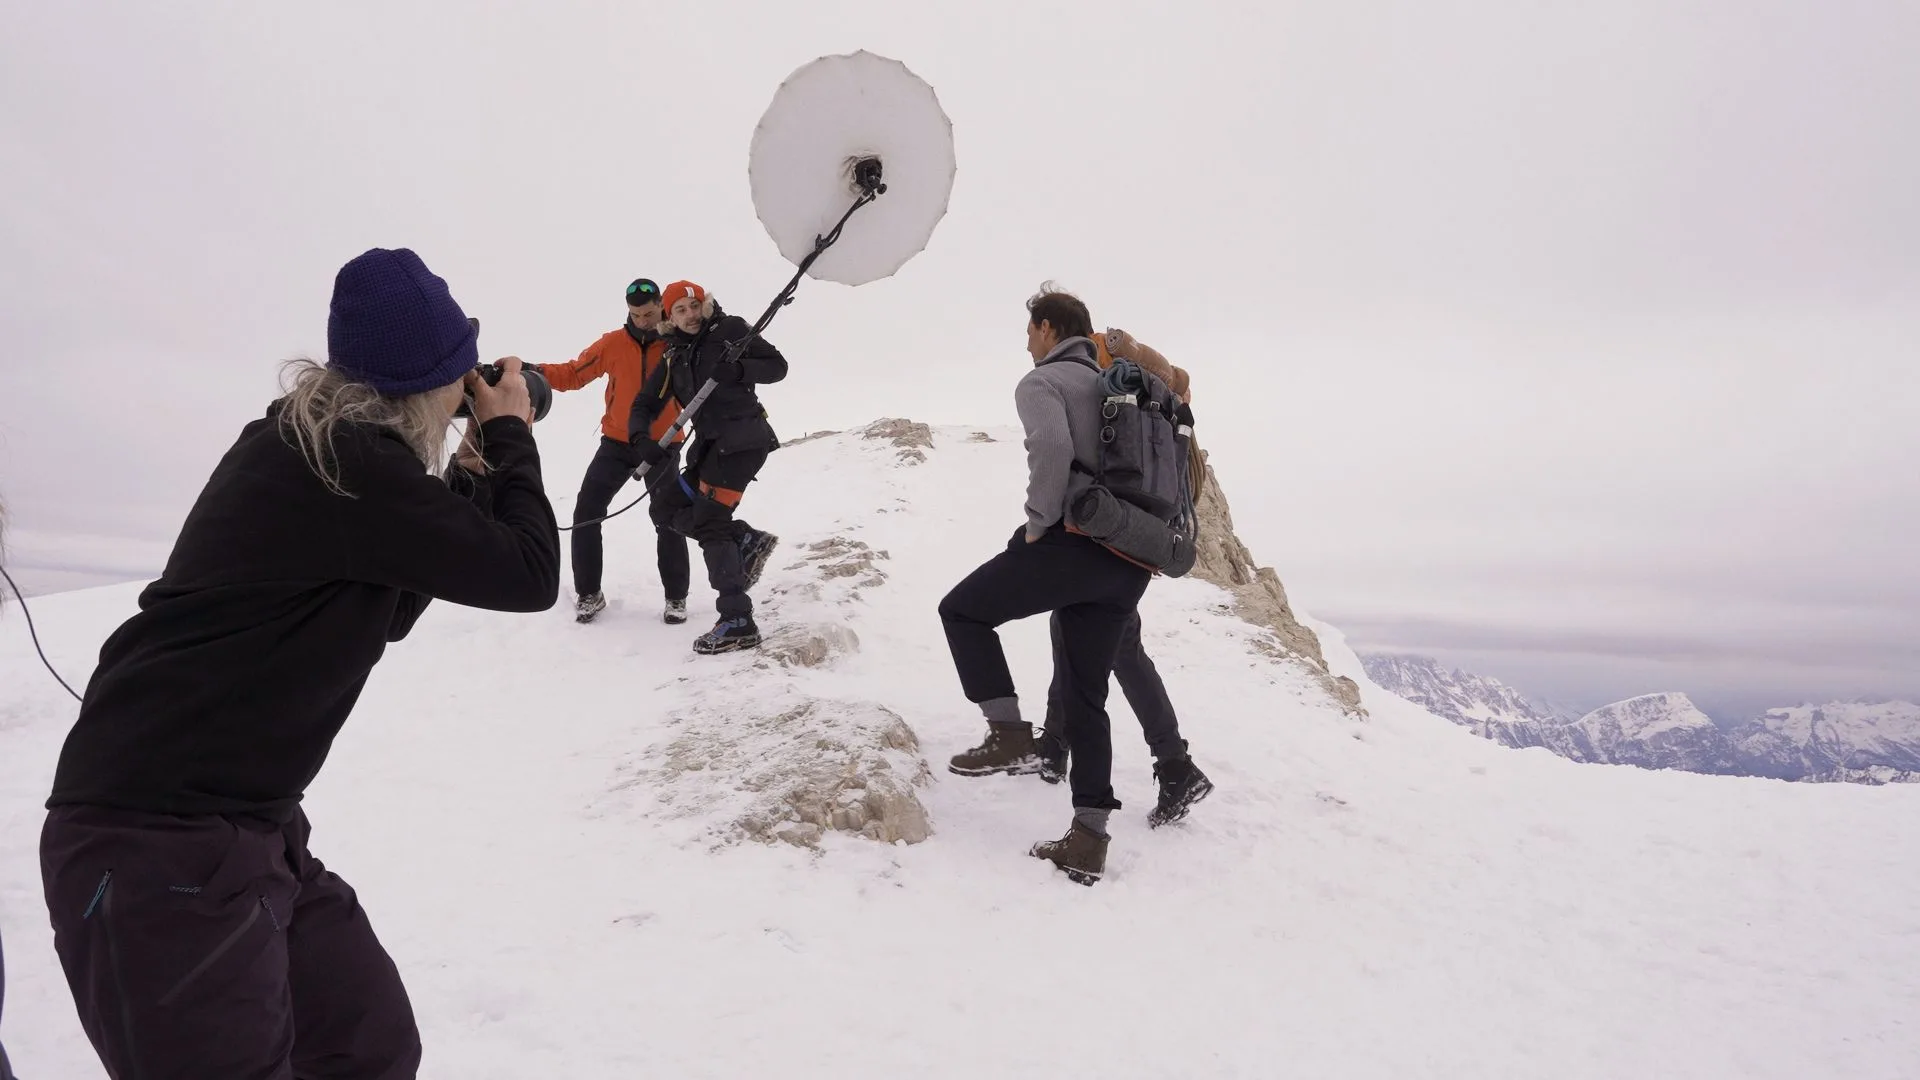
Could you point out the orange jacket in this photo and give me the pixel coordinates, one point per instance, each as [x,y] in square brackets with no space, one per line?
[626,364]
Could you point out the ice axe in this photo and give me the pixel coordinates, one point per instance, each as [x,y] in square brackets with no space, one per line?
[845,126]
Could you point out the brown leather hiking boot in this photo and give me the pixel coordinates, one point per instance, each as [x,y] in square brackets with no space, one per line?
[1008,749]
[1082,853]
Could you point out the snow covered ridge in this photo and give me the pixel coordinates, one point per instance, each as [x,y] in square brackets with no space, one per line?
[1862,742]
[1464,698]
[777,755]
[1851,742]
[594,854]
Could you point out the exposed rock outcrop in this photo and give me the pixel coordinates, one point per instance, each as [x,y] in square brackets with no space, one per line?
[1259,598]
[808,644]
[807,438]
[794,775]
[911,438]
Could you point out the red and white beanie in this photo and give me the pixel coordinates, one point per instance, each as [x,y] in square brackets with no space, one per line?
[678,289]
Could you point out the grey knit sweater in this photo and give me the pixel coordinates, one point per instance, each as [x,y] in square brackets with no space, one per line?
[1059,405]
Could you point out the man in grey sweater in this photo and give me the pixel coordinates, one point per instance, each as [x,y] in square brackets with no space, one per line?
[1047,568]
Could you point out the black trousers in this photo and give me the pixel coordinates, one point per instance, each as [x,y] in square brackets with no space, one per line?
[1092,592]
[1139,680]
[215,945]
[698,505]
[612,466]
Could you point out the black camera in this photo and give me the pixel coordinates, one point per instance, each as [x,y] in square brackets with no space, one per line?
[538,389]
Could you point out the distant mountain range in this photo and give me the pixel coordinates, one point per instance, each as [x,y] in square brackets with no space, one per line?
[1850,742]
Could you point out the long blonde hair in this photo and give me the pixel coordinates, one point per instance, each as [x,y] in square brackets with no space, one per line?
[319,399]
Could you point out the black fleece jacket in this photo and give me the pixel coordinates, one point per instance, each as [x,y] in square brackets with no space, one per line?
[224,692]
[732,415]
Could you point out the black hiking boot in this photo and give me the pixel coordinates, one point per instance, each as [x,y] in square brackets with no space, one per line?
[755,549]
[1053,758]
[1181,785]
[676,612]
[588,606]
[1008,749]
[1082,853]
[728,635]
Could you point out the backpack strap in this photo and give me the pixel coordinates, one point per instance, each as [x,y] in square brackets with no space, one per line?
[1094,366]
[1070,360]
[1074,358]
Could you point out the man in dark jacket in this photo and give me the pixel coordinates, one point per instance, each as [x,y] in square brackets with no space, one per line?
[199,935]
[731,444]
[1048,568]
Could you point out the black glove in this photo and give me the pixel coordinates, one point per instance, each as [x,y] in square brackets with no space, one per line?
[652,453]
[726,371]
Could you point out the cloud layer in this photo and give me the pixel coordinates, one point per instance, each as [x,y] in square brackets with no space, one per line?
[1587,328]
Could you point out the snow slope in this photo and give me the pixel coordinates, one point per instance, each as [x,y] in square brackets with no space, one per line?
[1389,898]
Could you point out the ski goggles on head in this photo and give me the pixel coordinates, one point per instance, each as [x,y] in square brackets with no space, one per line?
[643,291]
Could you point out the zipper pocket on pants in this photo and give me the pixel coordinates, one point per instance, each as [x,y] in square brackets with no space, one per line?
[103,901]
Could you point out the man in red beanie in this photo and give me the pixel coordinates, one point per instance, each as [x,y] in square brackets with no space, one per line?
[731,444]
[199,935]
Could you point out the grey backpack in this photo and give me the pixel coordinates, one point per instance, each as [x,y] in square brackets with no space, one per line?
[1140,505]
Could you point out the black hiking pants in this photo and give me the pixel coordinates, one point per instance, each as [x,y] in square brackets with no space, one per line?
[1092,592]
[701,505]
[219,946]
[612,466]
[1139,680]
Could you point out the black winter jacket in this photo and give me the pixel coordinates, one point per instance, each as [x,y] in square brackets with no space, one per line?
[732,416]
[224,692]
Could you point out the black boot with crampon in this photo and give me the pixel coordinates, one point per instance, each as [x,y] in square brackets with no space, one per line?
[1181,785]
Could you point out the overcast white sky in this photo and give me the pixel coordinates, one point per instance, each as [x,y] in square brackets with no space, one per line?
[1573,342]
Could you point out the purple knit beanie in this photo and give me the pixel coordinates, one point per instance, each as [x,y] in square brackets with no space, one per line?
[394,326]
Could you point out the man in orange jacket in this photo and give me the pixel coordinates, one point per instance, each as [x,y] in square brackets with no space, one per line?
[627,356]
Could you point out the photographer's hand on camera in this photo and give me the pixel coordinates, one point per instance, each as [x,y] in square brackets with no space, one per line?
[508,397]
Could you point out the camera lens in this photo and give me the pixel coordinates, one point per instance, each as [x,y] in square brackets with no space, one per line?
[539,391]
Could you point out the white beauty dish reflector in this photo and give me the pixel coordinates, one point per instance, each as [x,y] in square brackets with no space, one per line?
[828,115]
